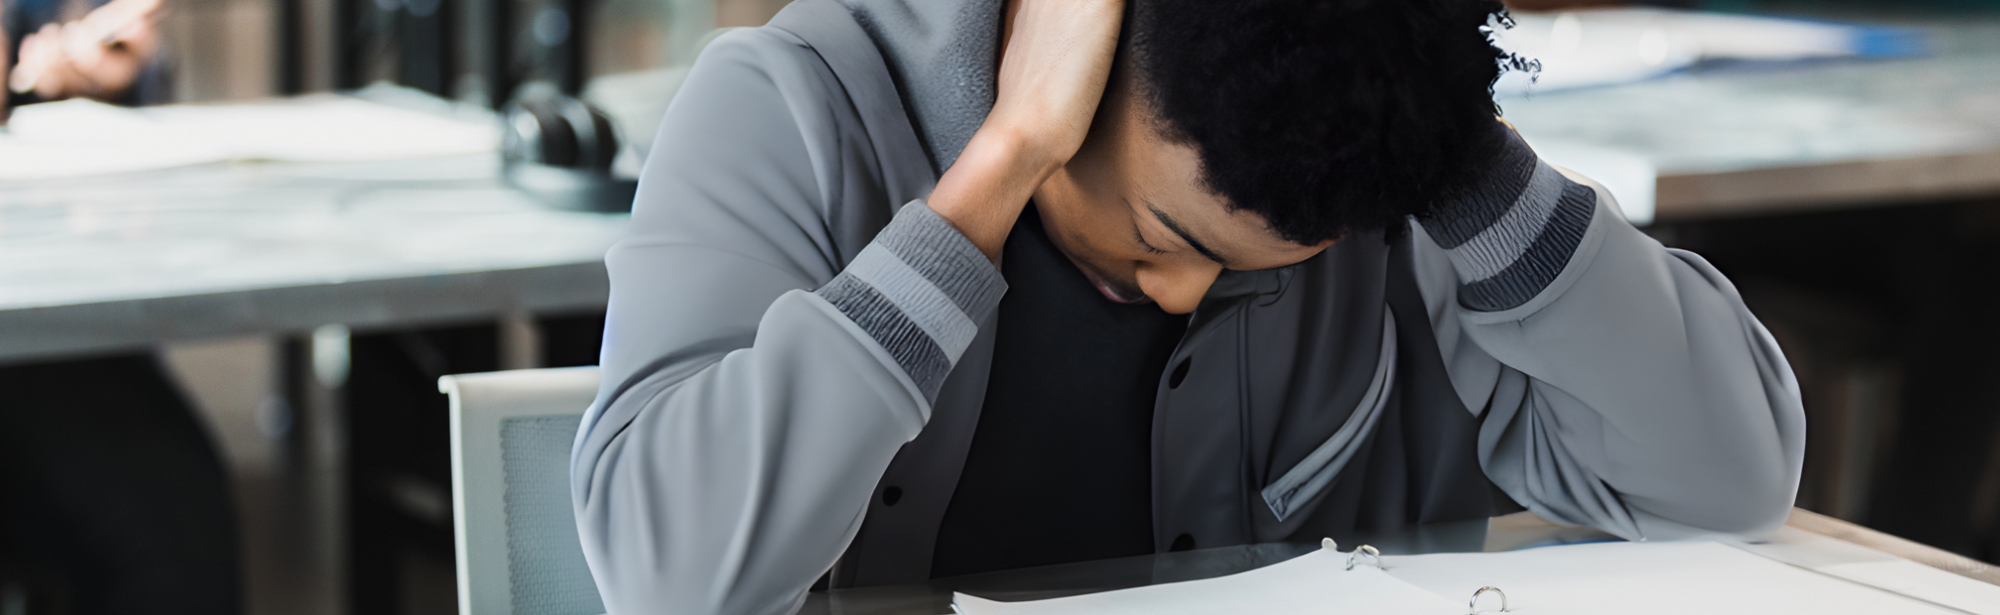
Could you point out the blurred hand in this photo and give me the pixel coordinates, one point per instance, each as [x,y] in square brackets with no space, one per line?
[6,60]
[1055,58]
[98,56]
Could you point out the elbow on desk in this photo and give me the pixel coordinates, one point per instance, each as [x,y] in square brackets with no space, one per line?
[1757,522]
[1750,495]
[1751,502]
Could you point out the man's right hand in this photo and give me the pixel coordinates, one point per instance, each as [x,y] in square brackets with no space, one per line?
[1055,59]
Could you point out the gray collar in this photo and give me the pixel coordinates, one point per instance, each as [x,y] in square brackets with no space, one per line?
[944,57]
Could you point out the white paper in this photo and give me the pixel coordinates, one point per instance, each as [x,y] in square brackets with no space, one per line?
[1316,583]
[329,128]
[80,137]
[1677,578]
[75,138]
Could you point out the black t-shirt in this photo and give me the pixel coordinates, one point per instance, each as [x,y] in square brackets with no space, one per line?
[1060,469]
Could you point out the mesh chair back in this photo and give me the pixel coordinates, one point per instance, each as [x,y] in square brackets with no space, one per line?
[545,570]
[517,547]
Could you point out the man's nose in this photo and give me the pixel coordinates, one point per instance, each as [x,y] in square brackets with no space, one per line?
[1177,288]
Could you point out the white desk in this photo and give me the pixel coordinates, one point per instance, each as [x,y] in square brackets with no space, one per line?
[1757,140]
[127,261]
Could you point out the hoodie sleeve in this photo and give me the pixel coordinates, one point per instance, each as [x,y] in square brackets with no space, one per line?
[1621,384]
[755,388]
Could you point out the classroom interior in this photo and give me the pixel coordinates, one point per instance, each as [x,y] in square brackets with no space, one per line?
[304,213]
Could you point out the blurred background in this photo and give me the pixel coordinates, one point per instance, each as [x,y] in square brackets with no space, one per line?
[240,240]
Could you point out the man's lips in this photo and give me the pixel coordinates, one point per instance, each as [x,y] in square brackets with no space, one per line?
[1109,291]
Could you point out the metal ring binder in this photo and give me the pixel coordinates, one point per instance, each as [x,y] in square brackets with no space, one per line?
[1472,608]
[1371,551]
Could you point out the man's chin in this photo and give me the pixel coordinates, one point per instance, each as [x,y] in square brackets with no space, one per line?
[1116,293]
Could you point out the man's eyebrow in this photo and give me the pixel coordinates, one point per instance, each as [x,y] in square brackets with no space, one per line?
[1185,236]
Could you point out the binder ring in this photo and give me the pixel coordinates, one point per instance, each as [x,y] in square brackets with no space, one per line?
[1472,608]
[1371,552]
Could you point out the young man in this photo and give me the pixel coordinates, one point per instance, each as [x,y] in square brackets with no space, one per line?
[917,289]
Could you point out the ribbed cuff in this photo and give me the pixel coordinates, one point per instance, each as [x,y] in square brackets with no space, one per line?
[920,289]
[1512,232]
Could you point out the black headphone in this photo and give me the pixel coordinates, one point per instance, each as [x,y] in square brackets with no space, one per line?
[560,150]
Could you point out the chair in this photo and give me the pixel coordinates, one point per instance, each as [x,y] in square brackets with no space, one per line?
[517,547]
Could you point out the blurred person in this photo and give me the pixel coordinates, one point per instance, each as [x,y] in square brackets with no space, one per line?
[917,289]
[113,499]
[105,51]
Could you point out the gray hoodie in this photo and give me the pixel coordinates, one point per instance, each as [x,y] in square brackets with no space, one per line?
[792,331]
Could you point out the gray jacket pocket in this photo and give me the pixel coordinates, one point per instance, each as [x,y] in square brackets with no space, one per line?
[1312,474]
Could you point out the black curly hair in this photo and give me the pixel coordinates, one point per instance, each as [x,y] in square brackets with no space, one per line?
[1323,116]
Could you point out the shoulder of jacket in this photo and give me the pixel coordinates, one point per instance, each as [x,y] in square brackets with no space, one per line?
[765,47]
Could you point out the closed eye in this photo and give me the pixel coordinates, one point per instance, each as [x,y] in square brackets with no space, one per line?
[1142,240]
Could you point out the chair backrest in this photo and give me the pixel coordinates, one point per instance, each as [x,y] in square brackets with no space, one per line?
[517,547]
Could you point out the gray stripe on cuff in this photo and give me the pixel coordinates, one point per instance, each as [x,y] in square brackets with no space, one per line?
[1495,249]
[933,247]
[1542,262]
[919,300]
[913,350]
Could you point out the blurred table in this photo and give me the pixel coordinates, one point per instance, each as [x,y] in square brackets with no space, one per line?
[126,261]
[1803,541]
[1773,138]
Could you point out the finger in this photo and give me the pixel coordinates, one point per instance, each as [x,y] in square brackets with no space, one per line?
[118,19]
[81,45]
[146,7]
[38,51]
[60,80]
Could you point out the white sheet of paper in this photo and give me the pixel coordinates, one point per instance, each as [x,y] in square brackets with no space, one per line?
[1316,583]
[76,138]
[1875,568]
[1660,578]
[329,128]
[80,137]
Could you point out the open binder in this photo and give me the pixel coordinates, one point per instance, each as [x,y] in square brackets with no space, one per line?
[1680,578]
